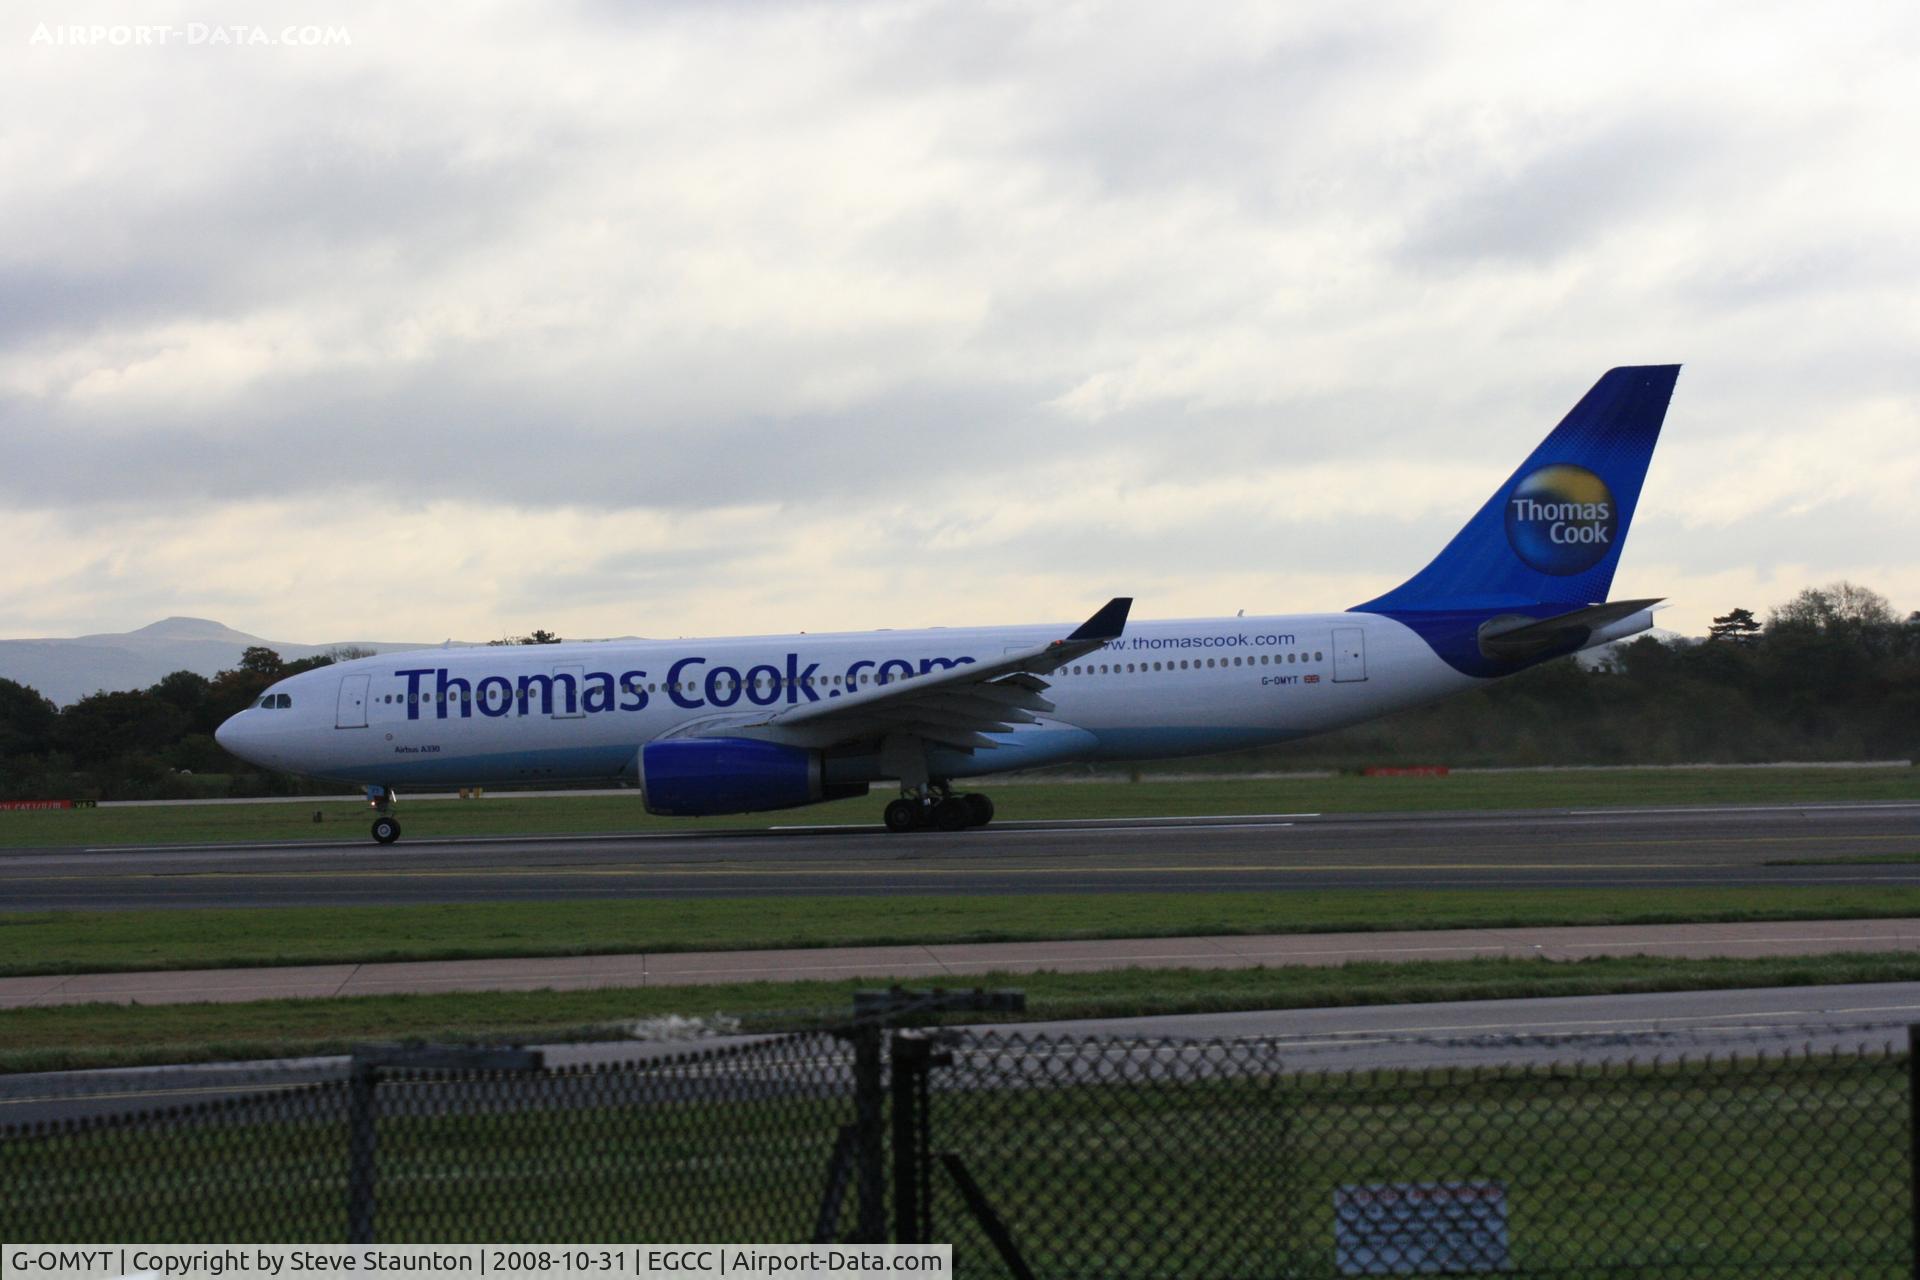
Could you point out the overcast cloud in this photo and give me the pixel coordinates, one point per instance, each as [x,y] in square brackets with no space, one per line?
[685,319]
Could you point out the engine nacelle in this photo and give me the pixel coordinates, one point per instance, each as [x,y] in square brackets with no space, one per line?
[700,777]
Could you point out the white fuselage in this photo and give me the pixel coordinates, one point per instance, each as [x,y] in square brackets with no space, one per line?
[577,712]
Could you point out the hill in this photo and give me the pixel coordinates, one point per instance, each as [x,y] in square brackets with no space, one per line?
[67,670]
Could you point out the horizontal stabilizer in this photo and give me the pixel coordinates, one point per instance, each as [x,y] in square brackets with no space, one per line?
[1516,637]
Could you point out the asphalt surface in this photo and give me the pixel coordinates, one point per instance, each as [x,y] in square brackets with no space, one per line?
[1552,848]
[1585,1029]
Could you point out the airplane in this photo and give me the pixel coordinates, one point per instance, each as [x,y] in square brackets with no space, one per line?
[761,723]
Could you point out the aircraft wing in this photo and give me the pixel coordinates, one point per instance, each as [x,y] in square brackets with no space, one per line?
[955,707]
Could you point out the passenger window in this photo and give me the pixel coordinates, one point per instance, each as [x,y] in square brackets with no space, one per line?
[1317,656]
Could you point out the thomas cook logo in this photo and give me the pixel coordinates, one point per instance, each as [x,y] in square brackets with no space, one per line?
[1561,519]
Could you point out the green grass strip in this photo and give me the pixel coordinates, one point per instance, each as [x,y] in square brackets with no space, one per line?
[62,1037]
[503,814]
[117,941]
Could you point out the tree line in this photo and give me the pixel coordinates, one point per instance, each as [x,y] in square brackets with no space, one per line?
[154,743]
[1832,674]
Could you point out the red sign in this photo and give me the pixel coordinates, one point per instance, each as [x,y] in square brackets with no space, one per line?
[36,804]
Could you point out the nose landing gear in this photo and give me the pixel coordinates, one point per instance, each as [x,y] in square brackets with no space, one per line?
[937,806]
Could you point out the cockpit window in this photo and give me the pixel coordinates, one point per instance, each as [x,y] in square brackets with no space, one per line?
[265,702]
[275,702]
[283,701]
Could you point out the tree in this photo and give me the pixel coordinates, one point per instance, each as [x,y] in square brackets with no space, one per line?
[26,720]
[538,637]
[186,690]
[105,726]
[1837,606]
[1737,626]
[259,660]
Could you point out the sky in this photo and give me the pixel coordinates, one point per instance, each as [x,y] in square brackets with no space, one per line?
[681,319]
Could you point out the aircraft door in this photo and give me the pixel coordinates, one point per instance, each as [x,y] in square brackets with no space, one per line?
[1349,654]
[564,707]
[352,710]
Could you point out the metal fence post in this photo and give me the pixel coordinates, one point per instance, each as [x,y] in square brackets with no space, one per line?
[912,1214]
[1913,1144]
[363,1073]
[869,1139]
[360,1138]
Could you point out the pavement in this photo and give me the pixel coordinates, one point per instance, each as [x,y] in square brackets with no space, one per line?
[955,963]
[1710,845]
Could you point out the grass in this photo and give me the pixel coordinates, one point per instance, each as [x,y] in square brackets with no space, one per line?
[503,814]
[71,1036]
[1776,1168]
[120,941]
[1780,1168]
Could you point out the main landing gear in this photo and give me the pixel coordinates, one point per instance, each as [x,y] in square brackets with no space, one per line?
[938,806]
[386,827]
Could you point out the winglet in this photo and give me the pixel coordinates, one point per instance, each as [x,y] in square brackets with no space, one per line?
[1106,624]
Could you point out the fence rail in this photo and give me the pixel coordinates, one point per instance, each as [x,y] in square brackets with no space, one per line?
[1033,1154]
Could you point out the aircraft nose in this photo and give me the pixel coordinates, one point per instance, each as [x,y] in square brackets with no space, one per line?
[228,734]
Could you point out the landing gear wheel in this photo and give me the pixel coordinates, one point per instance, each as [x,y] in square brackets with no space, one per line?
[953,814]
[979,808]
[386,830]
[903,815]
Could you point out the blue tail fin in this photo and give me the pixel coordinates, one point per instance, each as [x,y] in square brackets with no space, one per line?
[1552,533]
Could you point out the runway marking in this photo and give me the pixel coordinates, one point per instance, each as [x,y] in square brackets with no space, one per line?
[1750,808]
[895,851]
[529,873]
[1652,1021]
[1097,824]
[183,1091]
[1050,826]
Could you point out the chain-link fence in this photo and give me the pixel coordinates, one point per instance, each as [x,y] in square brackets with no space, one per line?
[728,1144]
[1033,1154]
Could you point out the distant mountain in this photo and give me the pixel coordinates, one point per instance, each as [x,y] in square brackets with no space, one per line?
[68,670]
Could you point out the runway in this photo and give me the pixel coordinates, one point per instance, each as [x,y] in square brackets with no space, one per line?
[1552,848]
